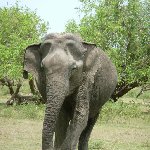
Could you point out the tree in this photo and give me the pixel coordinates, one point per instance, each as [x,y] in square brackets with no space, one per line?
[121,28]
[20,27]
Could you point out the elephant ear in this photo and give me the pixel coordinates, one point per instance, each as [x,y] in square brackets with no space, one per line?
[32,61]
[32,64]
[90,55]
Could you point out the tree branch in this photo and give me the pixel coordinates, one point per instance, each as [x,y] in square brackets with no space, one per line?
[9,83]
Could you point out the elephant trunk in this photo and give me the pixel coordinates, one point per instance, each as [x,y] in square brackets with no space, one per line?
[56,93]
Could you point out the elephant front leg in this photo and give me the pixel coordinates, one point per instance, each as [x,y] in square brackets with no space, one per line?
[79,120]
[61,128]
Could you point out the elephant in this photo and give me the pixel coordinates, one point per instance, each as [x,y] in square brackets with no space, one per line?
[75,78]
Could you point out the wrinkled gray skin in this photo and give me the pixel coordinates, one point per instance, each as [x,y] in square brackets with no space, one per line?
[76,79]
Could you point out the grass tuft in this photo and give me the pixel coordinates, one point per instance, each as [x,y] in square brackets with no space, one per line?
[96,145]
[30,111]
[113,111]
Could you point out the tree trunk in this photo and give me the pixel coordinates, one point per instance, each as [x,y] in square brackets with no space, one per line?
[123,89]
[32,86]
[15,95]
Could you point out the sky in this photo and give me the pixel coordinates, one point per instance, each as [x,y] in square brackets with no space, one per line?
[56,12]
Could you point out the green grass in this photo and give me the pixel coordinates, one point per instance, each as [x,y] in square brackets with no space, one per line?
[105,145]
[122,118]
[109,113]
[96,144]
[124,125]
[4,90]
[30,111]
[113,111]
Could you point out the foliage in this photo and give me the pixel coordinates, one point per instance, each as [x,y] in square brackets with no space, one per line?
[121,28]
[19,28]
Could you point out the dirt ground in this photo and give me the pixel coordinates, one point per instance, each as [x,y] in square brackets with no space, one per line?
[26,135]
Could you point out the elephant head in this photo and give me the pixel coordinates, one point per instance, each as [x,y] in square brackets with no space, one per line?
[58,64]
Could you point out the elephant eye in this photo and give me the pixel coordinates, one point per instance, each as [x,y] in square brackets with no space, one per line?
[71,46]
[74,49]
[45,46]
[44,49]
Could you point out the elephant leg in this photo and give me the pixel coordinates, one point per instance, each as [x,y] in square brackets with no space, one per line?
[79,121]
[61,128]
[85,135]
